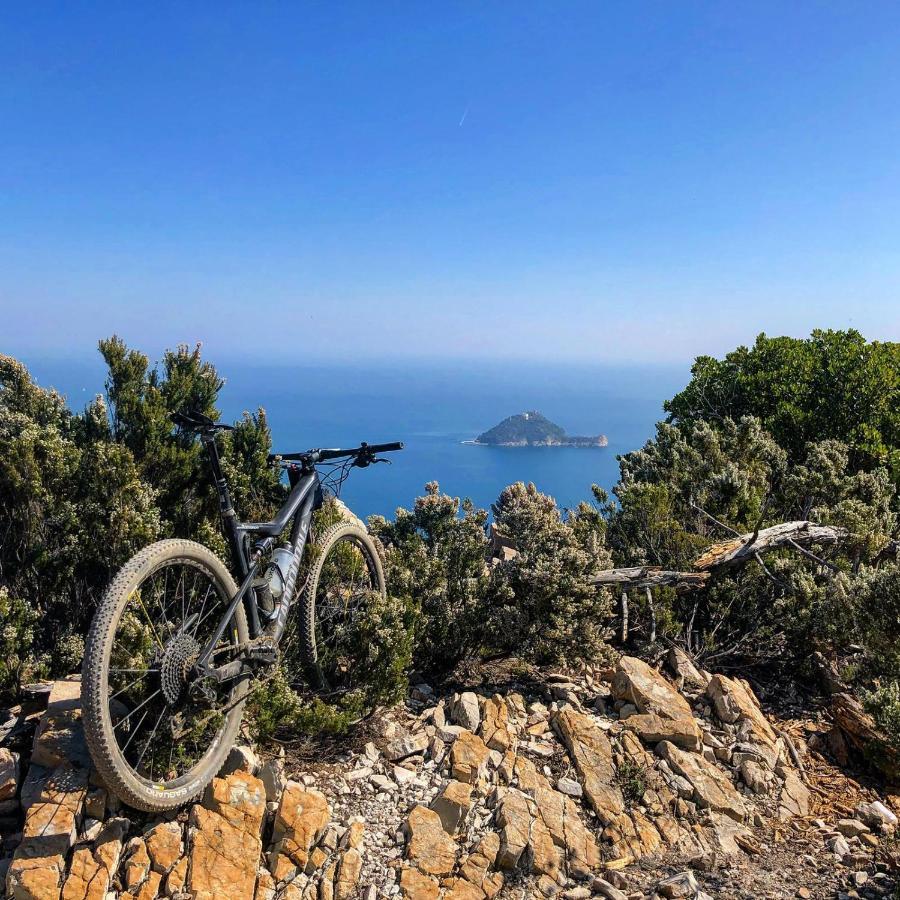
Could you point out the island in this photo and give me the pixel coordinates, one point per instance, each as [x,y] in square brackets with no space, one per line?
[532,429]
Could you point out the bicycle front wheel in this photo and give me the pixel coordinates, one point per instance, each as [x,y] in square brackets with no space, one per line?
[344,574]
[156,740]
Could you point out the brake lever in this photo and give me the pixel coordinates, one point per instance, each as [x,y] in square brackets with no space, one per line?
[363,462]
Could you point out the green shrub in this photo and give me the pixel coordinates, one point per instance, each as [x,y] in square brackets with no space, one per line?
[631,777]
[831,385]
[435,555]
[18,624]
[380,646]
[541,603]
[87,490]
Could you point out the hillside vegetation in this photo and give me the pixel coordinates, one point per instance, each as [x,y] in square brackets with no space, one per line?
[785,430]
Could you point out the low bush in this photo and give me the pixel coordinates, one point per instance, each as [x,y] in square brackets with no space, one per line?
[436,557]
[80,493]
[540,604]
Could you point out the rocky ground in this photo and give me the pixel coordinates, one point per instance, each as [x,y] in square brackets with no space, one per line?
[625,783]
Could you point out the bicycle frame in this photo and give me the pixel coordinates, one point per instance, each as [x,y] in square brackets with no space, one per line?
[249,543]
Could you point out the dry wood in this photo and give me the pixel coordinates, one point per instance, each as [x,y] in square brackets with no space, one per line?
[652,610]
[739,550]
[649,576]
[862,734]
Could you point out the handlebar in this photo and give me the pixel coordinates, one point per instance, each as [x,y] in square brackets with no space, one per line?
[364,451]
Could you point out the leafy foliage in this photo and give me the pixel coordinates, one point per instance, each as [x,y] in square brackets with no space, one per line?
[435,555]
[540,604]
[831,385]
[87,490]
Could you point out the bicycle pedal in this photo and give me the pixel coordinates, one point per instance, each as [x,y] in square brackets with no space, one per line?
[263,649]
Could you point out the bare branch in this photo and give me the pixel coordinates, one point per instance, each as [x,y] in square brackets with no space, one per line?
[650,576]
[736,552]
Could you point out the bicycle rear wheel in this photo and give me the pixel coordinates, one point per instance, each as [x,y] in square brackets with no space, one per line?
[157,741]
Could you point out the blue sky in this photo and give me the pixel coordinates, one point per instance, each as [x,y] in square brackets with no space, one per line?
[570,180]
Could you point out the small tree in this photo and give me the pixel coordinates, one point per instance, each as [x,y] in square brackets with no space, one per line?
[542,602]
[435,554]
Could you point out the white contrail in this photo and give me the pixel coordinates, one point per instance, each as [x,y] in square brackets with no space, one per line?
[463,119]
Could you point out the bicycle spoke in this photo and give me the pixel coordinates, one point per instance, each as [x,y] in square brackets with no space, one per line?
[149,620]
[151,676]
[133,733]
[129,686]
[141,706]
[137,765]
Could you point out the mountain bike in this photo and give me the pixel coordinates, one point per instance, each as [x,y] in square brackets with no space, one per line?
[176,643]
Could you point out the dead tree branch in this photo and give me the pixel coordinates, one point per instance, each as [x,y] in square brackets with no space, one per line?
[649,577]
[727,554]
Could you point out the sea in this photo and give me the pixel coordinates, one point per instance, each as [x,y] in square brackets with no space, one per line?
[434,408]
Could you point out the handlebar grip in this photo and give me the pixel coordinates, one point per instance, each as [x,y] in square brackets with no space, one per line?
[385,448]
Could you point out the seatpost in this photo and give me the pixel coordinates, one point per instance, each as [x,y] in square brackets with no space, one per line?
[229,517]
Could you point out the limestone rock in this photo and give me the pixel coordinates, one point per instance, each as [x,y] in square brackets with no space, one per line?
[466,711]
[240,759]
[149,890]
[59,739]
[851,828]
[570,787]
[9,781]
[679,886]
[724,835]
[794,799]
[712,789]
[92,868]
[95,803]
[137,864]
[582,851]
[469,758]
[475,866]
[347,876]
[406,745]
[638,683]
[515,816]
[223,856]
[658,703]
[546,857]
[685,671]
[240,798]
[460,889]
[877,815]
[609,891]
[430,847]
[266,889]
[164,846]
[416,885]
[301,819]
[734,701]
[591,753]
[51,825]
[755,776]
[271,774]
[453,804]
[495,730]
[177,878]
[652,728]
